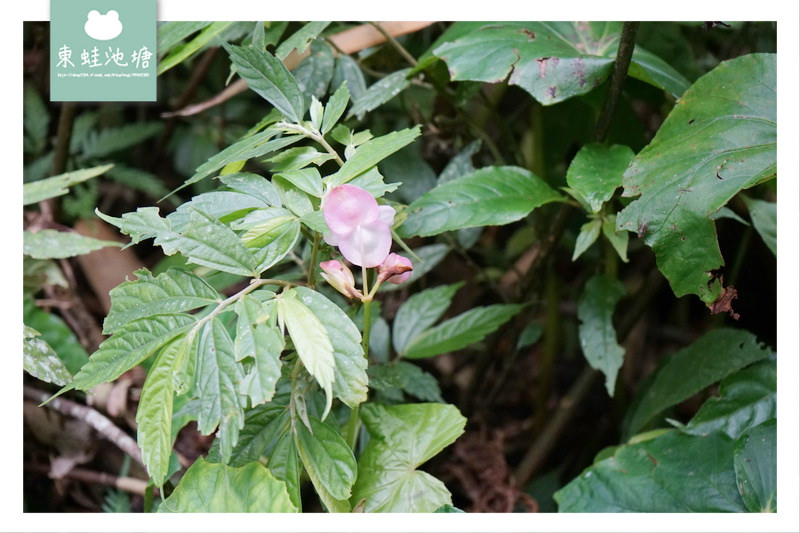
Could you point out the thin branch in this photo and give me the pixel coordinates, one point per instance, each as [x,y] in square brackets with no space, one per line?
[627,40]
[128,484]
[94,418]
[397,46]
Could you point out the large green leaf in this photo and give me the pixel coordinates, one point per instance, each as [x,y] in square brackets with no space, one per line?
[174,291]
[596,172]
[765,219]
[420,312]
[154,413]
[144,223]
[403,437]
[172,33]
[58,185]
[460,331]
[314,73]
[271,233]
[596,332]
[380,92]
[186,50]
[756,463]
[300,39]
[110,140]
[673,473]
[268,76]
[746,399]
[40,361]
[217,380]
[217,488]
[56,334]
[407,377]
[707,360]
[329,462]
[719,139]
[350,372]
[552,61]
[130,345]
[261,342]
[490,196]
[334,109]
[371,153]
[310,339]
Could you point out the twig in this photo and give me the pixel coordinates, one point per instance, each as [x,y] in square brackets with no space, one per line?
[397,46]
[627,40]
[128,484]
[99,422]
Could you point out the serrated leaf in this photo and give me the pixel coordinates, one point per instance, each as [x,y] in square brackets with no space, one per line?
[407,377]
[552,61]
[373,182]
[217,380]
[208,242]
[403,437]
[58,185]
[756,464]
[335,107]
[174,291]
[264,425]
[253,185]
[52,244]
[269,77]
[40,361]
[217,488]
[329,462]
[307,180]
[314,73]
[460,331]
[370,154]
[707,360]
[221,205]
[186,50]
[271,233]
[746,399]
[420,312]
[596,172]
[154,413]
[261,342]
[490,196]
[350,376]
[300,39]
[171,33]
[719,139]
[348,71]
[588,234]
[310,339]
[109,140]
[56,334]
[765,219]
[130,345]
[597,335]
[380,92]
[673,473]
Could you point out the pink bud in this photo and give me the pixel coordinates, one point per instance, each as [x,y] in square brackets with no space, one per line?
[340,278]
[395,269]
[359,226]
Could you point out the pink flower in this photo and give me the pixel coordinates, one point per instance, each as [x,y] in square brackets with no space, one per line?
[395,269]
[359,226]
[340,278]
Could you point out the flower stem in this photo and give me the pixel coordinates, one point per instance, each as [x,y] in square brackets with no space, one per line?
[313,263]
[354,422]
[314,135]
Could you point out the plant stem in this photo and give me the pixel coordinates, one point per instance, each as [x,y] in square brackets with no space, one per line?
[353,424]
[314,136]
[397,46]
[313,263]
[627,41]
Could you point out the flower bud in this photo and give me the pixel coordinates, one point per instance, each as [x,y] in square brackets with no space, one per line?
[395,269]
[340,278]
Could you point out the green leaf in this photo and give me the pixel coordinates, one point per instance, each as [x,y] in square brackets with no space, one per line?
[217,380]
[217,488]
[370,154]
[756,464]
[40,361]
[596,332]
[110,140]
[618,239]
[307,180]
[674,473]
[211,243]
[130,345]
[461,331]
[380,92]
[263,427]
[172,33]
[328,460]
[350,371]
[403,437]
[335,108]
[174,291]
[707,360]
[765,219]
[746,399]
[253,185]
[719,139]
[596,172]
[310,339]
[144,223]
[420,312]
[140,180]
[154,413]
[589,233]
[490,196]
[186,50]
[269,77]
[553,61]
[300,39]
[461,163]
[58,185]
[407,377]
[262,342]
[35,121]
[52,244]
[272,233]
[348,71]
[314,73]
[56,334]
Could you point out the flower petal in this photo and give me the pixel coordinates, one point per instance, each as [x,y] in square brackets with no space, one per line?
[348,206]
[368,245]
